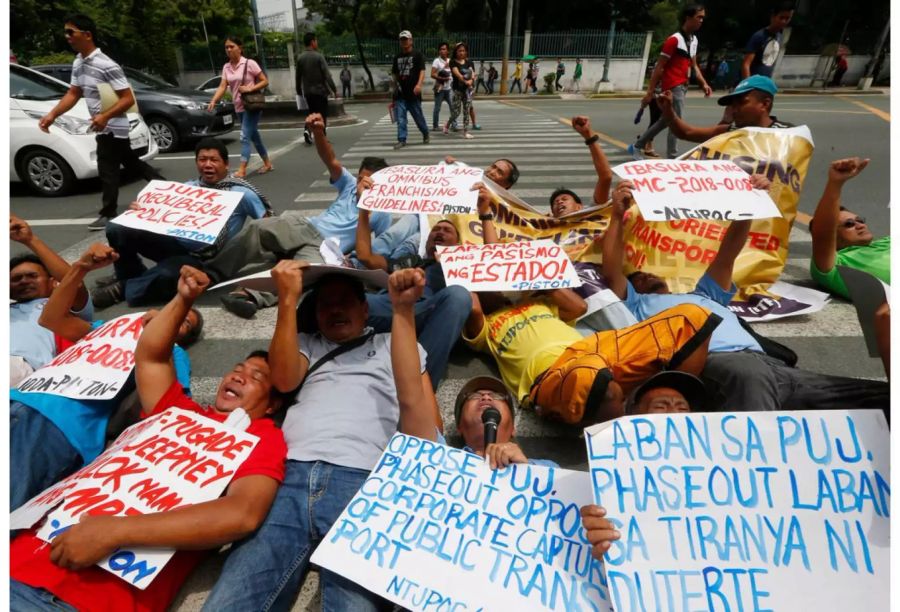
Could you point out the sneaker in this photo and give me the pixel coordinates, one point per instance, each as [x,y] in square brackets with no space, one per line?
[426,139]
[476,127]
[106,281]
[635,152]
[307,137]
[240,304]
[399,144]
[98,224]
[104,297]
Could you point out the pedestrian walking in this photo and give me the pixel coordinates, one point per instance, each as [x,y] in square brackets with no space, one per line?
[242,76]
[492,76]
[722,74]
[91,71]
[408,71]
[463,71]
[560,72]
[346,79]
[765,44]
[839,70]
[312,80]
[677,57]
[481,74]
[517,77]
[443,84]
[533,72]
[576,78]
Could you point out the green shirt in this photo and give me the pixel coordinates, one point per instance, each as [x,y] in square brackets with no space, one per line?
[577,71]
[874,258]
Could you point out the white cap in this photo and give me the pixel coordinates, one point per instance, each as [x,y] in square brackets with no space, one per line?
[405,34]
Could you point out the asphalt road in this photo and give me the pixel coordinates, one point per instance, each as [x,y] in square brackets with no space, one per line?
[549,153]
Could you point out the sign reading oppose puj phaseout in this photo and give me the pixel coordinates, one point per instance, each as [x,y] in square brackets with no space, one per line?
[776,511]
[95,367]
[172,460]
[433,528]
[433,190]
[671,190]
[510,266]
[181,211]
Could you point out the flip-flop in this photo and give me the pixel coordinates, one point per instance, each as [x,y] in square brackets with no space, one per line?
[265,170]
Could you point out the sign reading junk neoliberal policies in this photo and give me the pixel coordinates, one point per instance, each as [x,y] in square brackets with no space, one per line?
[746,511]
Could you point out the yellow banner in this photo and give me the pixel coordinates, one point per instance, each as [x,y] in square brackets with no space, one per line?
[516,220]
[680,251]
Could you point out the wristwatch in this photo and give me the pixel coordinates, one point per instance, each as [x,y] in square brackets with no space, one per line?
[591,140]
[487,217]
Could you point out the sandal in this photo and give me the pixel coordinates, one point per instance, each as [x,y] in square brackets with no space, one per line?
[240,303]
[265,170]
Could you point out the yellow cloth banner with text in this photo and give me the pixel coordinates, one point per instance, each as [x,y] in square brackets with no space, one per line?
[680,251]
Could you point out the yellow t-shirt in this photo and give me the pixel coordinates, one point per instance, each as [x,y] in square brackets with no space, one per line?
[525,339]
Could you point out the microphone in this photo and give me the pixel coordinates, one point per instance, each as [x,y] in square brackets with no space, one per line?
[491,419]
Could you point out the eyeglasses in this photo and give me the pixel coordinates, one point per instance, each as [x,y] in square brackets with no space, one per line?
[848,223]
[491,394]
[72,31]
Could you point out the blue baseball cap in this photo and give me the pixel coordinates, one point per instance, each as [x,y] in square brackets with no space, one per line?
[757,81]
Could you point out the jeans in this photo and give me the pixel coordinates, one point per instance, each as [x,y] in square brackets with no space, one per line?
[415,109]
[748,380]
[40,455]
[25,598]
[250,132]
[440,318]
[113,152]
[345,89]
[264,571]
[443,95]
[516,83]
[678,94]
[159,283]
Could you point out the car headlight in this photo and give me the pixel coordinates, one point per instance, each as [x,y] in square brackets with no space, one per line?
[186,104]
[68,124]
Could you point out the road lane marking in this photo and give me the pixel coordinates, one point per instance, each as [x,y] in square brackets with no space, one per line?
[875,111]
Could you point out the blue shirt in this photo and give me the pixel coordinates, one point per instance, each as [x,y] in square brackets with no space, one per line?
[728,337]
[250,207]
[400,240]
[27,339]
[340,218]
[84,422]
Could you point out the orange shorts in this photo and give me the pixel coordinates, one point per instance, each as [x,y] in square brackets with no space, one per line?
[577,381]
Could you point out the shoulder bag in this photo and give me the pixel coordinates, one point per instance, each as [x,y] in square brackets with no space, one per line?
[254,100]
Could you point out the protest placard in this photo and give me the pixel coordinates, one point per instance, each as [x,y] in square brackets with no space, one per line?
[95,367]
[746,511]
[510,266]
[263,281]
[435,190]
[172,460]
[181,211]
[516,220]
[717,190]
[433,528]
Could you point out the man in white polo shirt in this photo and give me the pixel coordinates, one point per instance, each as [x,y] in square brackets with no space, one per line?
[91,69]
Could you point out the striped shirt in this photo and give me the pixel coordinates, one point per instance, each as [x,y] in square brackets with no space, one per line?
[90,72]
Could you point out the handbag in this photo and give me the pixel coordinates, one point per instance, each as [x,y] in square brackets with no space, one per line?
[253,100]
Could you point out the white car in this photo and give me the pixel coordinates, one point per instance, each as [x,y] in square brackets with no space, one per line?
[50,164]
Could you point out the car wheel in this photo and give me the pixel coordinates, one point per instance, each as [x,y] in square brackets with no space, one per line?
[164,133]
[46,173]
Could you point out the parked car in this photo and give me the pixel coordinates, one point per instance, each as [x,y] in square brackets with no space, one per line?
[50,164]
[176,116]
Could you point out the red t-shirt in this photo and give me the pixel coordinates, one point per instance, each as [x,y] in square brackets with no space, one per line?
[680,53]
[94,589]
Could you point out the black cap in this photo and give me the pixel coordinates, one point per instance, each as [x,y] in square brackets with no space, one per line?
[691,387]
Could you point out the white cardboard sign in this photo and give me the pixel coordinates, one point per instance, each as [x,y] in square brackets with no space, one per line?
[719,190]
[181,211]
[95,367]
[746,511]
[174,459]
[509,266]
[433,528]
[435,190]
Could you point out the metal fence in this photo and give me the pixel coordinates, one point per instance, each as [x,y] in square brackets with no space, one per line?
[482,45]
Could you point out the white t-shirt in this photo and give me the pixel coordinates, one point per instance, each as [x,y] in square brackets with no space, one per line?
[443,69]
[347,409]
